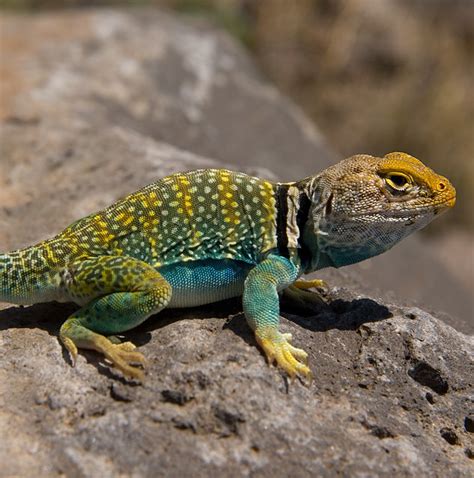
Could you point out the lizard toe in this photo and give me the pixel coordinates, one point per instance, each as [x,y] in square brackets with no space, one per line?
[71,348]
[298,353]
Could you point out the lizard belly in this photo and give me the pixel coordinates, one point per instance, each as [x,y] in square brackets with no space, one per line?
[203,282]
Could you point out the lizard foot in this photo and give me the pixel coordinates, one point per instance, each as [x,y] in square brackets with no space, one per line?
[128,346]
[122,355]
[277,348]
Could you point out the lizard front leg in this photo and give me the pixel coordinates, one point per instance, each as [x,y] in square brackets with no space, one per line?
[262,310]
[123,292]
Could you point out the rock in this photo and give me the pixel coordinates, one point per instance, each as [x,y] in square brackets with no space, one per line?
[210,397]
[111,101]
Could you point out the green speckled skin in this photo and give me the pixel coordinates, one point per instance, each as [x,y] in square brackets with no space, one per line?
[199,237]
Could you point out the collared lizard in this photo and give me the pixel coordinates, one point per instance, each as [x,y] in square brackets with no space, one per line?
[202,236]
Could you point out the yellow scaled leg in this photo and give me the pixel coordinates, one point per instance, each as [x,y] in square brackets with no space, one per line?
[119,293]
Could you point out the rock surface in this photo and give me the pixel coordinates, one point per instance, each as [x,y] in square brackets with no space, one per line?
[96,104]
[391,396]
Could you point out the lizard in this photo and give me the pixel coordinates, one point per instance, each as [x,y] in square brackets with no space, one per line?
[202,236]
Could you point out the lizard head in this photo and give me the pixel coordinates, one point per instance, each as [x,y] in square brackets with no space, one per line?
[364,205]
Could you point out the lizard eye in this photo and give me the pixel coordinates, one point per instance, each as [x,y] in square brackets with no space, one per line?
[398,181]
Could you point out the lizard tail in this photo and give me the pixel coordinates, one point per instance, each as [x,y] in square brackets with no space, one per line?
[24,276]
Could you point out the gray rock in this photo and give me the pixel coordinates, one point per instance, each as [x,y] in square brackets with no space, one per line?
[391,395]
[97,116]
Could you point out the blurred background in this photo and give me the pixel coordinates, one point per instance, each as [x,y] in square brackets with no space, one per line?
[374,75]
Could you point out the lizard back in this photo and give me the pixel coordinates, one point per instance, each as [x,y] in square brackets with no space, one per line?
[211,213]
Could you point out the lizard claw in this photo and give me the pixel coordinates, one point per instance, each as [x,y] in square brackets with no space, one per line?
[278,349]
[300,354]
[71,348]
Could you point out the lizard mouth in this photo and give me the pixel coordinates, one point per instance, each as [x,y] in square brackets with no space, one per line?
[447,203]
[431,207]
[450,202]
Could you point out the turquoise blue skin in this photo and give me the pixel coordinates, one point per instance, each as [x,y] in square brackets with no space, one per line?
[193,284]
[208,281]
[204,282]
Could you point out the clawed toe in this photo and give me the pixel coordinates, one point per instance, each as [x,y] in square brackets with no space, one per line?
[293,367]
[122,356]
[298,353]
[71,348]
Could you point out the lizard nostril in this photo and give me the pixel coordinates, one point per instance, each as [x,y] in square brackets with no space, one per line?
[441,186]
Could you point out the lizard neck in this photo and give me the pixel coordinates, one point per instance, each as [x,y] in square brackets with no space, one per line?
[294,203]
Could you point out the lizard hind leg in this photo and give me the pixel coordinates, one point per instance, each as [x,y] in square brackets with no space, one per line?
[128,291]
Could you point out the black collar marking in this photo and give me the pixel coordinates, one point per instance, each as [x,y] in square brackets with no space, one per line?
[282,217]
[304,204]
